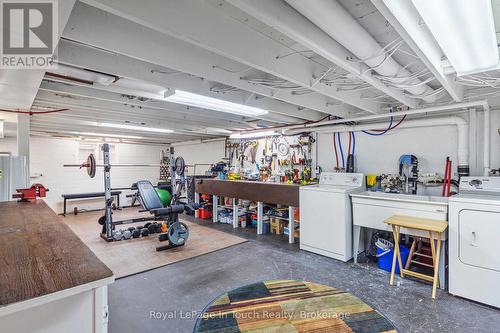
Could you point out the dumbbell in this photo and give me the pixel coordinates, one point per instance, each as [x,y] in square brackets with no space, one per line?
[127,234]
[117,235]
[144,232]
[152,228]
[136,233]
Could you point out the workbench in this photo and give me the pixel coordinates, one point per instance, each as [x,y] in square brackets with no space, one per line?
[260,192]
[50,281]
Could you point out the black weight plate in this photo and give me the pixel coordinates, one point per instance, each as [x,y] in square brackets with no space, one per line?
[180,165]
[102,220]
[91,166]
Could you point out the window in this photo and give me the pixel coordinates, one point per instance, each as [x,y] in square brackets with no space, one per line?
[84,150]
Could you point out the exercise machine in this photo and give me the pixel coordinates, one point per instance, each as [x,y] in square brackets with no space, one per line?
[176,232]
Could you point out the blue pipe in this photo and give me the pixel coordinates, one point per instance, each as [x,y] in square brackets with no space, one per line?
[341,152]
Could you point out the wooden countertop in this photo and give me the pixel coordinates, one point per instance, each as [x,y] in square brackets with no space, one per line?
[273,193]
[40,255]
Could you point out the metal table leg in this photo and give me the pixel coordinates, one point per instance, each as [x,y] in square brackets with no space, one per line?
[260,213]
[291,225]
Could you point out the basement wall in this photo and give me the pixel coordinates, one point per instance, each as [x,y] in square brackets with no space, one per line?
[48,156]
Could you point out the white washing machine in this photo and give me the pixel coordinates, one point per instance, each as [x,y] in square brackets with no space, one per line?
[474,240]
[326,214]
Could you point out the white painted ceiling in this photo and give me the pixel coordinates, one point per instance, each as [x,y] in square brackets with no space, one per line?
[208,47]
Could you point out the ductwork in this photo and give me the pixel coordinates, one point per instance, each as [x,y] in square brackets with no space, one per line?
[460,123]
[332,18]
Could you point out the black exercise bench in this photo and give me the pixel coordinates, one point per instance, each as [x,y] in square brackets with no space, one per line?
[77,196]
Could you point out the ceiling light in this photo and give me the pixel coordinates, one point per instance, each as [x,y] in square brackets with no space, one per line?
[465,30]
[136,128]
[82,74]
[252,135]
[205,102]
[2,124]
[107,135]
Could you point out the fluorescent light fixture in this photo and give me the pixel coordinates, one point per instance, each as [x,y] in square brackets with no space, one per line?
[136,128]
[107,135]
[83,74]
[218,130]
[2,124]
[205,102]
[253,135]
[465,30]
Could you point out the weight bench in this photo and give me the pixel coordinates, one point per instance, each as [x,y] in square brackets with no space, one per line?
[76,196]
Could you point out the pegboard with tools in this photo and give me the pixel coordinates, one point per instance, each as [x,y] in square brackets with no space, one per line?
[279,158]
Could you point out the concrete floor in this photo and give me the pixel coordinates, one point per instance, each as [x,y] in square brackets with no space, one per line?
[191,284]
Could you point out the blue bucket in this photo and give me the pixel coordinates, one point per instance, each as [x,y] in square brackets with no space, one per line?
[385,260]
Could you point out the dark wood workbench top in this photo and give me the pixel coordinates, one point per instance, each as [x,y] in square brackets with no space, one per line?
[267,192]
[40,255]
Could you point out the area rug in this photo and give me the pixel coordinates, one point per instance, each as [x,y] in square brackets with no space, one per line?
[290,306]
[133,256]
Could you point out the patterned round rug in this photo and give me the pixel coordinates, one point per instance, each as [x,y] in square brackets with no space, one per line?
[290,306]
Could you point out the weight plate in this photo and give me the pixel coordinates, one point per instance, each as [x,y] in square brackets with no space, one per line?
[178,233]
[91,166]
[180,165]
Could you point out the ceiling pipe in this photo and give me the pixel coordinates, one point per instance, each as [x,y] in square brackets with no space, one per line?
[282,17]
[459,122]
[487,140]
[332,18]
[442,108]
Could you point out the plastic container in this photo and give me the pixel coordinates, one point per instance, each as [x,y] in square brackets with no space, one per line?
[266,228]
[385,260]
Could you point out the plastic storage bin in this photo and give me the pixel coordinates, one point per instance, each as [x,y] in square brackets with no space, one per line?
[385,260]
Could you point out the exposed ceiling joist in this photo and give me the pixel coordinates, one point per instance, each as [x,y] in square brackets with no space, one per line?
[115,95]
[287,20]
[153,116]
[19,87]
[86,57]
[107,32]
[216,33]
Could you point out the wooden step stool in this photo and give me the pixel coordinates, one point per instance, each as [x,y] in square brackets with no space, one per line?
[429,225]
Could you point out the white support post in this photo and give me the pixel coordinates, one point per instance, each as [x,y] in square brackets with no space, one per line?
[23,142]
[291,225]
[196,201]
[260,213]
[215,208]
[235,213]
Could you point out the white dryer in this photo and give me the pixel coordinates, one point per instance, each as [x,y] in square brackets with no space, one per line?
[474,240]
[325,214]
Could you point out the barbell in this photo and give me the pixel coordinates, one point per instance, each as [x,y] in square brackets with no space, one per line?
[91,165]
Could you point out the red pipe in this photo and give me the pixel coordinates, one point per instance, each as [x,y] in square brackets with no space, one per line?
[335,149]
[448,192]
[445,178]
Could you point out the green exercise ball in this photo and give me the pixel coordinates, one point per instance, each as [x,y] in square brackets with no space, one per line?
[164,195]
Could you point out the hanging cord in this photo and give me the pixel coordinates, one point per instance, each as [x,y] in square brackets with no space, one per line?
[341,152]
[349,149]
[386,130]
[335,149]
[381,133]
